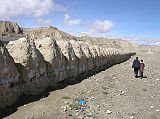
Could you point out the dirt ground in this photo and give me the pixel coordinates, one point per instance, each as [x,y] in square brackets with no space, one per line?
[111,94]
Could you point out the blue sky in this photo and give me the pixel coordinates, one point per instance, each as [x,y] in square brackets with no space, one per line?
[137,20]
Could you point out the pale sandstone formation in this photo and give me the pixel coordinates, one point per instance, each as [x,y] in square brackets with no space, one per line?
[31,65]
[9,78]
[56,61]
[88,54]
[94,55]
[9,28]
[47,56]
[117,43]
[9,31]
[42,32]
[72,59]
[82,59]
[100,55]
[105,55]
[61,60]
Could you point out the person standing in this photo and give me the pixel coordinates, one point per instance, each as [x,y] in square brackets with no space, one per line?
[142,65]
[136,66]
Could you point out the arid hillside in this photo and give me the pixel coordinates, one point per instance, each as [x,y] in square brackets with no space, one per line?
[12,31]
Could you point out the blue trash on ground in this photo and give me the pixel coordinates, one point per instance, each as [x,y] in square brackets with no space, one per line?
[82,102]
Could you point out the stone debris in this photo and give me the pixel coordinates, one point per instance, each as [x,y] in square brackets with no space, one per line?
[108,112]
[152,107]
[157,110]
[131,117]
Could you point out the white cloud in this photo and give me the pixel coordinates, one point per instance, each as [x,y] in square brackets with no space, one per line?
[33,8]
[71,22]
[44,22]
[101,26]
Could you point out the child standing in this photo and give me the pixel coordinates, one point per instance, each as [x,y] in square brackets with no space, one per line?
[142,65]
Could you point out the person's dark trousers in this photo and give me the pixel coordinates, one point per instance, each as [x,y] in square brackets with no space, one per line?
[136,71]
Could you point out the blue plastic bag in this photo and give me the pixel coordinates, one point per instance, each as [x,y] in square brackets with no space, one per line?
[82,102]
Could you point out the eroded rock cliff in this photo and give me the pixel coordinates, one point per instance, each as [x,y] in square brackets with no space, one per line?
[9,78]
[30,64]
[46,56]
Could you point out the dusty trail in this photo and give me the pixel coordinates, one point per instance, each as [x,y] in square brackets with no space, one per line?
[114,90]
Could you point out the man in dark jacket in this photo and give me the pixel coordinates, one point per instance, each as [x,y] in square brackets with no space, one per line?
[136,66]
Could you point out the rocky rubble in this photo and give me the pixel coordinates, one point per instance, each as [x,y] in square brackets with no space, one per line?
[45,58]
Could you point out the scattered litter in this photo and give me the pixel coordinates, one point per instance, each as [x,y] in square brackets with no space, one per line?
[82,102]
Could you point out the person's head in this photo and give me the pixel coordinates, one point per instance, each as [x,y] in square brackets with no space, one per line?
[136,58]
[141,60]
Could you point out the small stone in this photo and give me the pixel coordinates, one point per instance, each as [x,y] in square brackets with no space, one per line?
[80,117]
[88,92]
[92,98]
[24,105]
[108,112]
[157,79]
[131,117]
[90,114]
[69,114]
[157,110]
[98,106]
[66,102]
[152,107]
[64,109]
[143,89]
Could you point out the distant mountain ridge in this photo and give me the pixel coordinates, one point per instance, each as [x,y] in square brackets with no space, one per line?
[12,31]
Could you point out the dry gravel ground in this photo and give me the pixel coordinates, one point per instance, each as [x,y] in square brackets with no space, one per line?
[110,94]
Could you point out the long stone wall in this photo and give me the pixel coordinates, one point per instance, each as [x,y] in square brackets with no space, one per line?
[29,66]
